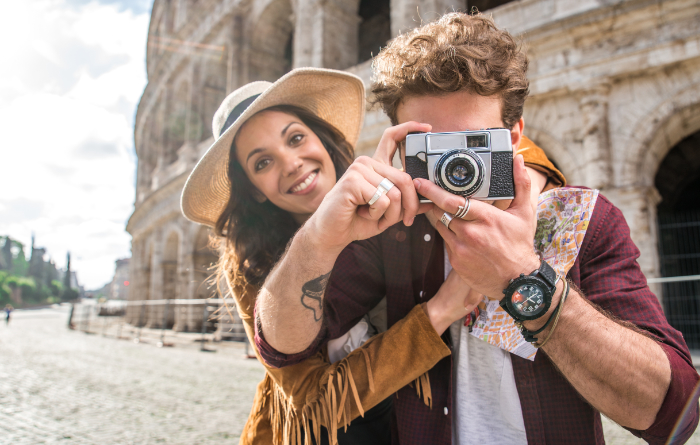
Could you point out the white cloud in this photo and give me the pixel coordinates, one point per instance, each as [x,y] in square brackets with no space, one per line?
[69,85]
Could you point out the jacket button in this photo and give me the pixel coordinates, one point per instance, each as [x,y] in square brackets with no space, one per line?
[421,294]
[446,411]
[427,237]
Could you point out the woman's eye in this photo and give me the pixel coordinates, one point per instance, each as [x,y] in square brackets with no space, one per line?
[261,164]
[296,139]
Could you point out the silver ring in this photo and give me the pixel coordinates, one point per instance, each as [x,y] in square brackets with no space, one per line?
[382,189]
[463,210]
[446,219]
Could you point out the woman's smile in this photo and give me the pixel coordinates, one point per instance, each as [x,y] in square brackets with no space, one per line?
[304,185]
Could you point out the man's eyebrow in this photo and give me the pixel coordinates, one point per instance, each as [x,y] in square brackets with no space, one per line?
[253,152]
[284,130]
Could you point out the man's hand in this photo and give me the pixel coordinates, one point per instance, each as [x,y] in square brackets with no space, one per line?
[344,215]
[490,247]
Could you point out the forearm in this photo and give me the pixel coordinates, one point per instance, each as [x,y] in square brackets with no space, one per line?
[618,370]
[411,346]
[290,303]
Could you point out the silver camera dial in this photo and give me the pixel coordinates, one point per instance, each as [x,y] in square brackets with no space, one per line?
[460,172]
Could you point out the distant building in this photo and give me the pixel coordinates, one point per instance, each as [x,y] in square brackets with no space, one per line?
[615,100]
[120,283]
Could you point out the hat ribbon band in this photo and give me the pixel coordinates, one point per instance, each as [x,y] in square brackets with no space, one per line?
[237,111]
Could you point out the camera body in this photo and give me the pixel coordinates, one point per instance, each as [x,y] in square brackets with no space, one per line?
[474,164]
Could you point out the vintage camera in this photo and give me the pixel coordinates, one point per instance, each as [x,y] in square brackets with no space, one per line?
[475,164]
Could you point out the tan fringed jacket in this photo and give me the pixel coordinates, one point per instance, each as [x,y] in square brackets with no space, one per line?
[315,392]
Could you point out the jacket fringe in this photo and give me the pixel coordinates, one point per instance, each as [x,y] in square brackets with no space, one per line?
[291,426]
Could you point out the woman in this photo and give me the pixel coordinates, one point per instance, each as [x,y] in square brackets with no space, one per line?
[279,149]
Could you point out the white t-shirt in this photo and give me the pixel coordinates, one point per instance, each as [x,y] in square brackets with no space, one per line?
[485,404]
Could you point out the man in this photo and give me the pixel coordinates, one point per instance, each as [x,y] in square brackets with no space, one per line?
[609,348]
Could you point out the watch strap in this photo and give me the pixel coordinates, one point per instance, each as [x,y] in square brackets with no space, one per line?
[546,273]
[528,335]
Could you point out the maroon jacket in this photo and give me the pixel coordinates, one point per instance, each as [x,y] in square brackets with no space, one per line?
[407,265]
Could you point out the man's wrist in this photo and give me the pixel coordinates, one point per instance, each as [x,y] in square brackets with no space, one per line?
[533,325]
[531,264]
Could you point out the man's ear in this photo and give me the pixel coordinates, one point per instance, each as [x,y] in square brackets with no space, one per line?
[258,196]
[516,134]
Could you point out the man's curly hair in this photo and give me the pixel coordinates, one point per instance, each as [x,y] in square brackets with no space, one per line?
[458,52]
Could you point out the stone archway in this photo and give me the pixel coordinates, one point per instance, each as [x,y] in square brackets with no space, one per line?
[374,29]
[485,5]
[557,153]
[168,278]
[678,183]
[658,133]
[169,266]
[177,121]
[272,42]
[140,289]
[199,260]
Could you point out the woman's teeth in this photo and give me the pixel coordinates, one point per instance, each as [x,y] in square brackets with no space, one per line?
[305,184]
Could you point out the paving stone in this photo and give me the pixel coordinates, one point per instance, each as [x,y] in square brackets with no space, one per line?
[59,386]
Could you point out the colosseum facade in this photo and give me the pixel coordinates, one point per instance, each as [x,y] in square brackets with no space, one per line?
[615,103]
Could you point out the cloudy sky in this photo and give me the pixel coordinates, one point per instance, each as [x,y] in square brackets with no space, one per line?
[71,75]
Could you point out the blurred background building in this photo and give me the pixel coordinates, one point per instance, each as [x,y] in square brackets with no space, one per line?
[119,287]
[615,103]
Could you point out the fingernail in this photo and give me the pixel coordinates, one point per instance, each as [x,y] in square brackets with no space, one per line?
[416,184]
[410,221]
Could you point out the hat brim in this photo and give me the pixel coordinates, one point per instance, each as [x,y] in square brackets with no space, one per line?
[337,97]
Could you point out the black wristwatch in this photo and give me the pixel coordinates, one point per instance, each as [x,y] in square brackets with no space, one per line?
[528,297]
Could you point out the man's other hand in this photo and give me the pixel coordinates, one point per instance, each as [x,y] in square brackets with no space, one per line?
[490,246]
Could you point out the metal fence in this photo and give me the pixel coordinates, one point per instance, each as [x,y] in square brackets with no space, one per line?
[110,320]
[679,258]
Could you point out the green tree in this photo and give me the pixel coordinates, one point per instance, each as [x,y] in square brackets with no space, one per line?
[6,254]
[20,265]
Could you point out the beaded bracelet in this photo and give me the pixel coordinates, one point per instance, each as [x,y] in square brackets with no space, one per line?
[556,317]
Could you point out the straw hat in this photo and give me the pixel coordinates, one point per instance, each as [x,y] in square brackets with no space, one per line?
[336,97]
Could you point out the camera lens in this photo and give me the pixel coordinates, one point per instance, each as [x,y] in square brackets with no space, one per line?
[459,172]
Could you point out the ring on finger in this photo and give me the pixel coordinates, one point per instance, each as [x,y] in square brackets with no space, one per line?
[382,189]
[446,219]
[463,210]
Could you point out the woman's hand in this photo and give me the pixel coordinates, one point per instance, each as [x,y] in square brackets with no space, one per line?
[454,300]
[344,215]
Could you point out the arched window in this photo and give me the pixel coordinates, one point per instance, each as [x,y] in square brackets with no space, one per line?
[374,29]
[485,5]
[272,42]
[678,182]
[169,265]
[177,115]
[213,92]
[204,261]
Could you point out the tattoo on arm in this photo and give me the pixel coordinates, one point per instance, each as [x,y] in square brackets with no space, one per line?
[312,295]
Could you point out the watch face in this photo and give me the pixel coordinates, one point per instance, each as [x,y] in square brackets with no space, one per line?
[528,300]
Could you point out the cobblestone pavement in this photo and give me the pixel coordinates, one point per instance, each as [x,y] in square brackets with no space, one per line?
[62,386]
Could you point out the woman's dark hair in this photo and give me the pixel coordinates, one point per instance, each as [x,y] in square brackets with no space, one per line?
[252,235]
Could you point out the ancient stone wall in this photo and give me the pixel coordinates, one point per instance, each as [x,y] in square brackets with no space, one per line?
[614,87]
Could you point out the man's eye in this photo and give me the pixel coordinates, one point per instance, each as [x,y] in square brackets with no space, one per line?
[261,164]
